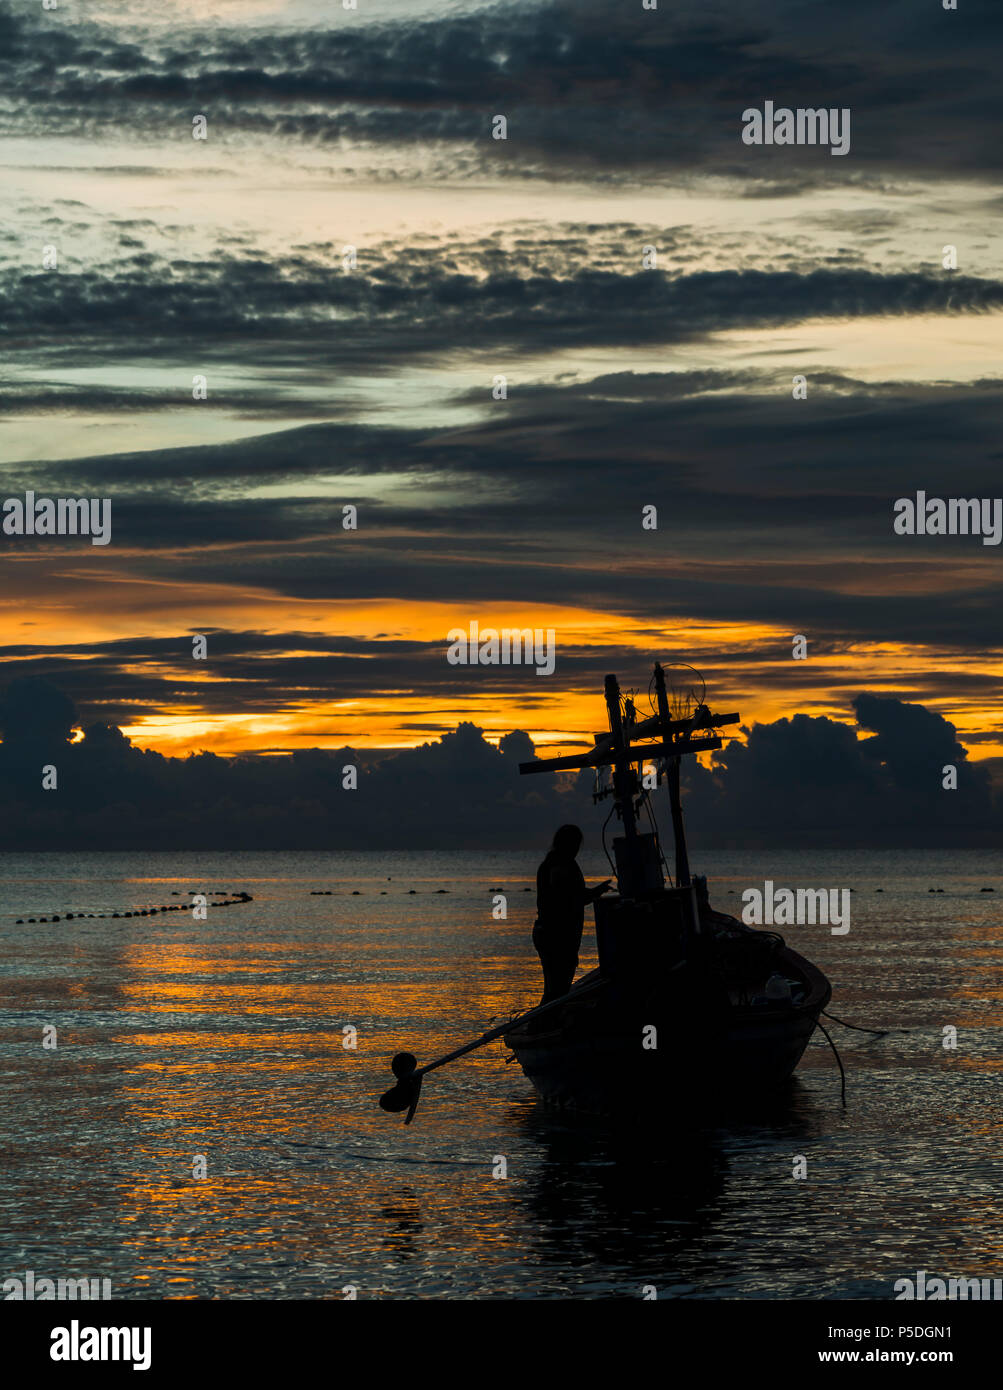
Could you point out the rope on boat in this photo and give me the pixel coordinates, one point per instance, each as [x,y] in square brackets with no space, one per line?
[602,836]
[878,1032]
[842,1073]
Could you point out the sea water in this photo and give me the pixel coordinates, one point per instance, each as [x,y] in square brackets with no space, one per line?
[177,1046]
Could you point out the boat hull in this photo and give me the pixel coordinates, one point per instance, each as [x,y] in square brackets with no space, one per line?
[600,1055]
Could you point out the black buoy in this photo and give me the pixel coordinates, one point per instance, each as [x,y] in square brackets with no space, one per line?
[403,1064]
[403,1096]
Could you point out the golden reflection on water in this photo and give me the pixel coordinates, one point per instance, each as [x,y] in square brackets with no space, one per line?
[301,1086]
[225,1041]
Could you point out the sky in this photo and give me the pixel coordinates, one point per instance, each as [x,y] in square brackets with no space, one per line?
[629,384]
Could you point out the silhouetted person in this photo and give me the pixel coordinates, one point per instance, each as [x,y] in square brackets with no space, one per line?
[561,895]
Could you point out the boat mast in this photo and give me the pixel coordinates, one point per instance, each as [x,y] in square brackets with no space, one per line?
[675,801]
[621,749]
[623,772]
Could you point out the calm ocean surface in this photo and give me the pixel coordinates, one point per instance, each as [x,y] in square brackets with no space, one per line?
[224,1038]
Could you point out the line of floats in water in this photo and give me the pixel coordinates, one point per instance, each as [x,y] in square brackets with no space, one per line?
[314,893]
[147,911]
[358,893]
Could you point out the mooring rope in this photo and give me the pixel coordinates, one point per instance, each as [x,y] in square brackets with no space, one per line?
[878,1032]
[842,1073]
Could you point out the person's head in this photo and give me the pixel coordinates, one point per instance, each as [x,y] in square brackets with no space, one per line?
[567,841]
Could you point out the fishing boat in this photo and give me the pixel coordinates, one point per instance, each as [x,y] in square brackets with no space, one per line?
[686,1001]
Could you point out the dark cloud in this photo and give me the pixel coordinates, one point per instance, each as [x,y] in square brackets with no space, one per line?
[798,781]
[586,84]
[458,791]
[770,512]
[812,782]
[411,308]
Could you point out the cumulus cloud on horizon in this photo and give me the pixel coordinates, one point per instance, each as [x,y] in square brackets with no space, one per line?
[801,781]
